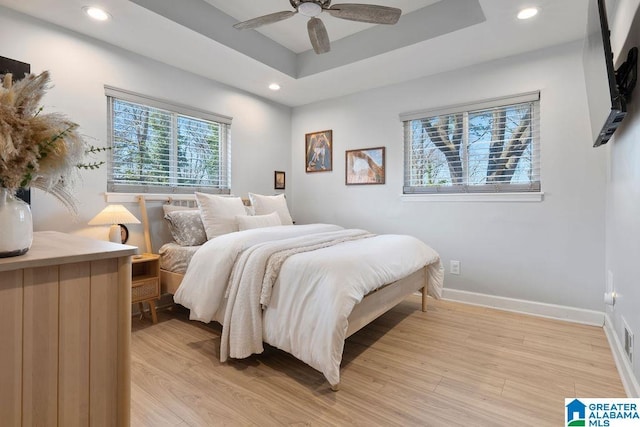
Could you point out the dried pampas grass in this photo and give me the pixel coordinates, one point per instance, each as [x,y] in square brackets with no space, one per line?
[38,150]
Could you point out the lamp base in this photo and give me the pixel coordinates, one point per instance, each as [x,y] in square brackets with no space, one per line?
[115,234]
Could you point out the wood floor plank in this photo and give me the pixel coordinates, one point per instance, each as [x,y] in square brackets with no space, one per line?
[453,365]
[541,397]
[503,412]
[148,411]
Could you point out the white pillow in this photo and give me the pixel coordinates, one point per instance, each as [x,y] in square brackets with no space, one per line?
[246,222]
[219,213]
[267,204]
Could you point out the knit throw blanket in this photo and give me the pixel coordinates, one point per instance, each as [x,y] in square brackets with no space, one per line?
[254,273]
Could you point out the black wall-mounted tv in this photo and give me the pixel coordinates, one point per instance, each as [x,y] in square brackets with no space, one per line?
[608,90]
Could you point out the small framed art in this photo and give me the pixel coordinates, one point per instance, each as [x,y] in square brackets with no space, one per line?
[279,180]
[365,166]
[319,151]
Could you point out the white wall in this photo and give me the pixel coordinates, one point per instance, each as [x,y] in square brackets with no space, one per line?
[551,251]
[80,67]
[623,194]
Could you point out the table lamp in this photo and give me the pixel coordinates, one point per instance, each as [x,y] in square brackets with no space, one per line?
[116,216]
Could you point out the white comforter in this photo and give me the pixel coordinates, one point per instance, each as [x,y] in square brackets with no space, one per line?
[314,294]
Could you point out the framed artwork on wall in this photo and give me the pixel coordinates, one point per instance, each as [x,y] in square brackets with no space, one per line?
[365,166]
[319,151]
[279,180]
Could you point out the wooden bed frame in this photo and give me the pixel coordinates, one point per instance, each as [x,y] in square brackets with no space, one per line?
[372,306]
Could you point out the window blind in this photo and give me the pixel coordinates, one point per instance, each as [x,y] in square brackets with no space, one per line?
[493,148]
[156,149]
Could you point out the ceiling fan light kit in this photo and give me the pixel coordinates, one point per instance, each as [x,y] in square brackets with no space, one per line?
[369,13]
[310,9]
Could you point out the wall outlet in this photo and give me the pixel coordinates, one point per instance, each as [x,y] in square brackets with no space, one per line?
[609,281]
[454,267]
[628,340]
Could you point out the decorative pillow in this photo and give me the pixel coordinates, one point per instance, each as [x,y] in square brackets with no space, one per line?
[186,227]
[219,213]
[247,222]
[267,204]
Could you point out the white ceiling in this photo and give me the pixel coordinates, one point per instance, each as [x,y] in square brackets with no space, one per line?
[225,56]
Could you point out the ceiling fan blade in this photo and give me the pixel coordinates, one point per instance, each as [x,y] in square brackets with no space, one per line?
[318,35]
[264,20]
[370,13]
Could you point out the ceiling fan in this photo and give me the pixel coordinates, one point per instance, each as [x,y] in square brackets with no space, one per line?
[369,13]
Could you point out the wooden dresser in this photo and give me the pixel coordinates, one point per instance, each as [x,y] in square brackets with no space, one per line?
[65,332]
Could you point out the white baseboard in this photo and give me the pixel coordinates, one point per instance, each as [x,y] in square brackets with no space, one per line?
[552,311]
[631,386]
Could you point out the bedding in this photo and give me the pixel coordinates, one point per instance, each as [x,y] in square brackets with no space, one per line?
[324,272]
[175,258]
[186,227]
[219,213]
[246,222]
[267,204]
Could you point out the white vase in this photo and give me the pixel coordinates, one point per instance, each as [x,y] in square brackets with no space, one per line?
[16,225]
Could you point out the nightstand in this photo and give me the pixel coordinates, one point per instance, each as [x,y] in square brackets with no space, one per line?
[145,282]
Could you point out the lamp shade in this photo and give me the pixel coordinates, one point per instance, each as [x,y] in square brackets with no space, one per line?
[114,214]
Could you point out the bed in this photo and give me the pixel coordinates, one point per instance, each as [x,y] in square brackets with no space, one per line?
[301,288]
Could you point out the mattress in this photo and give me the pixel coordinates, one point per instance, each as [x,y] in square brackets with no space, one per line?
[176,258]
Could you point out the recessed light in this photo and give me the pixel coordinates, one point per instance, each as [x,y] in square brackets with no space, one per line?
[96,13]
[528,13]
[274,86]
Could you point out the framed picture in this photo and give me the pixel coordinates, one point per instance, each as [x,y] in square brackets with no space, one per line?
[319,151]
[365,166]
[278,180]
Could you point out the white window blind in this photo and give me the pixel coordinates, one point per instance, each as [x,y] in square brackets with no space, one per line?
[490,147]
[161,147]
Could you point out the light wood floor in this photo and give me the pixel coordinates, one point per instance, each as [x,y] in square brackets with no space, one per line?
[453,365]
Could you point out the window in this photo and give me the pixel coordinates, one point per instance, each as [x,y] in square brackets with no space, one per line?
[160,147]
[488,147]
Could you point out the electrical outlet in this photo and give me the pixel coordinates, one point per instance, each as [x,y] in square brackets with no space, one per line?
[609,281]
[454,267]
[628,341]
